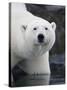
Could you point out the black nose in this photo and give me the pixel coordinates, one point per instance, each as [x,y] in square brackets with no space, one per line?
[40,38]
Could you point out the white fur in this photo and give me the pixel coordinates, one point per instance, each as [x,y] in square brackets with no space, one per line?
[24,43]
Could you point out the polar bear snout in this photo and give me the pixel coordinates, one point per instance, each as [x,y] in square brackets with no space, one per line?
[41,38]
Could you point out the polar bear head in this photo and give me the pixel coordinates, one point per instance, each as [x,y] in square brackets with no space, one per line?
[40,34]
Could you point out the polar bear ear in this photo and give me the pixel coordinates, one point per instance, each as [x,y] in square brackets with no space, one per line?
[23,27]
[53,24]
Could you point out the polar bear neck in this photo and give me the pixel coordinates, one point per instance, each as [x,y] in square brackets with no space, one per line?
[39,65]
[33,51]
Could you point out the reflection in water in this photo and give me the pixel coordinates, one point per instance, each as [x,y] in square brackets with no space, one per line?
[57,76]
[33,80]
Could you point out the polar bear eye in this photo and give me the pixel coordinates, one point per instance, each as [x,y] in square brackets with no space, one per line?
[35,28]
[46,28]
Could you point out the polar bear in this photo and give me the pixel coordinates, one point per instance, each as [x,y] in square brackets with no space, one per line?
[31,39]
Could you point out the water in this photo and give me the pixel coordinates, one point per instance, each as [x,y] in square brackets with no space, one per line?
[37,80]
[57,76]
